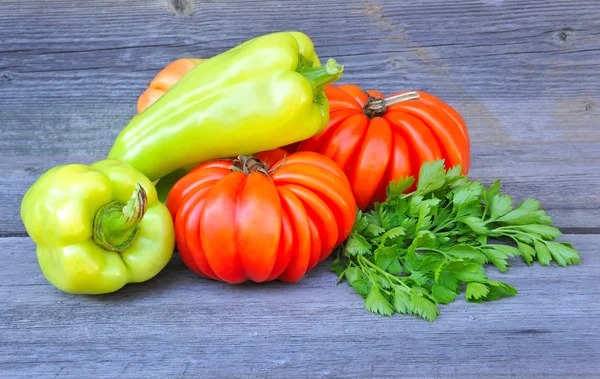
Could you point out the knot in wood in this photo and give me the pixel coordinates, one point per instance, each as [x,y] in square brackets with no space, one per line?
[181,7]
[564,36]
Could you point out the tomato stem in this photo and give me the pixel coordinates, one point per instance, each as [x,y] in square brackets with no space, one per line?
[376,106]
[249,164]
[117,223]
[279,165]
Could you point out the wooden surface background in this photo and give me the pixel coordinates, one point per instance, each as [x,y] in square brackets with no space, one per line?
[524,74]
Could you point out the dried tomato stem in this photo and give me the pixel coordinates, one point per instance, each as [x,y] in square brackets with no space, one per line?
[279,165]
[377,107]
[249,164]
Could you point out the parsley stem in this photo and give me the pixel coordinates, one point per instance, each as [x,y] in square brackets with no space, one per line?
[485,210]
[511,228]
[383,272]
[367,271]
[447,223]
[444,225]
[434,250]
[509,231]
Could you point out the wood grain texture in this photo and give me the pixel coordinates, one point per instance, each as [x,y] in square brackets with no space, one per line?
[566,187]
[524,75]
[182,7]
[180,326]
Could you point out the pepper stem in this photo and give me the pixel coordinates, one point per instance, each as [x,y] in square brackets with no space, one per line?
[117,223]
[319,77]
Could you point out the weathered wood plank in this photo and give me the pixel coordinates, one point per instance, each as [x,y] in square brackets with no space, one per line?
[517,70]
[469,53]
[180,326]
[566,185]
[523,74]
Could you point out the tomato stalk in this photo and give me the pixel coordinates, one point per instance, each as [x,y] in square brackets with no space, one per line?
[249,164]
[376,107]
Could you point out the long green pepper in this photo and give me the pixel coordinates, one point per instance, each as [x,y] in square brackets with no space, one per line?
[260,95]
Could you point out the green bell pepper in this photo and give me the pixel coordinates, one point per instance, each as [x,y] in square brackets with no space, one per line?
[93,236]
[260,95]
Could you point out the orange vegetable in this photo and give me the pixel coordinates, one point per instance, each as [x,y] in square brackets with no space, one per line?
[164,80]
[261,218]
[375,141]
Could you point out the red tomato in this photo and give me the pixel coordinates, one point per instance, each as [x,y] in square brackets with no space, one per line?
[392,144]
[261,218]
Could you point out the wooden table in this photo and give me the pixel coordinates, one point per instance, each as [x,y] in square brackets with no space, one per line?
[524,74]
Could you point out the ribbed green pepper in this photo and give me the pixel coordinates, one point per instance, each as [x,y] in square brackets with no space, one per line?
[97,227]
[260,95]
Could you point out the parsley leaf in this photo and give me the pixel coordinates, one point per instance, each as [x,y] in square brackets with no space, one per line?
[472,272]
[361,222]
[385,256]
[467,194]
[562,253]
[530,205]
[467,252]
[402,301]
[546,232]
[442,294]
[392,233]
[377,303]
[431,177]
[498,204]
[357,245]
[423,307]
[476,224]
[419,249]
[358,280]
[396,188]
[498,254]
[543,254]
[423,240]
[476,291]
[527,252]
[499,290]
[338,267]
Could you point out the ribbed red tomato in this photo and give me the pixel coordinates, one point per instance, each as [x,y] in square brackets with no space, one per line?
[261,218]
[374,144]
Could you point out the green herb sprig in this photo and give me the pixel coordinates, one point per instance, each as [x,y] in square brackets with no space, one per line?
[422,248]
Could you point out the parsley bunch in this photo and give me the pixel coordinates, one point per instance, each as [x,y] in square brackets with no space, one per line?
[416,250]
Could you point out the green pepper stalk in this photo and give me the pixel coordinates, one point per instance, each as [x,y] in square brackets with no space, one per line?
[319,77]
[117,223]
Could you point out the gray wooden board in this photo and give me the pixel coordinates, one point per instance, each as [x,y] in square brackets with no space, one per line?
[524,74]
[567,187]
[179,325]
